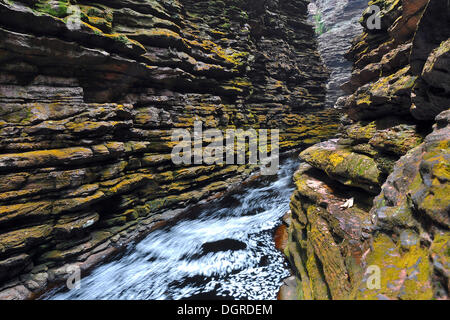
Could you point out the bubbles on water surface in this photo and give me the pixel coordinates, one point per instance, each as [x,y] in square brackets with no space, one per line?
[240,262]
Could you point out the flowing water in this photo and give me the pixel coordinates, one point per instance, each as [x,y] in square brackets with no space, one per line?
[225,250]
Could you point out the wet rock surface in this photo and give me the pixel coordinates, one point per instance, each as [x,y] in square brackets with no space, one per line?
[376,197]
[241,261]
[223,245]
[336,23]
[87,112]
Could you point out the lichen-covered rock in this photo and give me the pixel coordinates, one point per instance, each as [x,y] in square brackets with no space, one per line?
[327,236]
[399,242]
[90,94]
[333,240]
[420,181]
[431,95]
[405,271]
[388,96]
[397,140]
[415,201]
[350,168]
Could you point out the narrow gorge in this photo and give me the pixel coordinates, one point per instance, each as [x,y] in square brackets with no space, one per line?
[92,91]
[87,116]
[376,199]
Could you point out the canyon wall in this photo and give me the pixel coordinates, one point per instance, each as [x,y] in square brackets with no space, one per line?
[336,22]
[87,108]
[370,215]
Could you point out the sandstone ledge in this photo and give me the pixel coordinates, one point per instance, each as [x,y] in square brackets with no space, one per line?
[394,93]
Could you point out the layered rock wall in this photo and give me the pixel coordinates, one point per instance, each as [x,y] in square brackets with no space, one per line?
[370,215]
[87,110]
[336,21]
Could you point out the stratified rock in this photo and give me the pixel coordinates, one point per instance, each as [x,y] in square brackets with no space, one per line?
[23,239]
[387,96]
[333,241]
[431,31]
[399,243]
[336,21]
[327,237]
[405,26]
[88,104]
[340,163]
[431,95]
[421,176]
[396,140]
[414,204]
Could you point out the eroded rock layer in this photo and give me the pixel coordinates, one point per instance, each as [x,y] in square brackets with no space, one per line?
[336,21]
[370,216]
[87,109]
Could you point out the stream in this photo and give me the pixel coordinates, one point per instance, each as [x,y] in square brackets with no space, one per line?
[226,249]
[223,251]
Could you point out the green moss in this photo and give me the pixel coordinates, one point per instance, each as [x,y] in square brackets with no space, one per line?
[350,168]
[59,10]
[405,274]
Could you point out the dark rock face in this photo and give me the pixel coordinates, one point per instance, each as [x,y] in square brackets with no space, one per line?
[340,24]
[223,245]
[430,59]
[339,234]
[432,30]
[87,114]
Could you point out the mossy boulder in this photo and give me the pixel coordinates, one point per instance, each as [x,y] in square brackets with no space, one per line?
[431,94]
[390,95]
[415,199]
[349,168]
[406,274]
